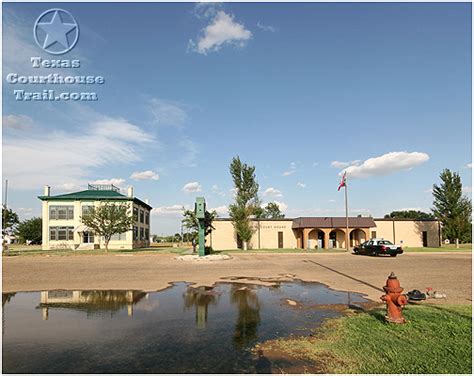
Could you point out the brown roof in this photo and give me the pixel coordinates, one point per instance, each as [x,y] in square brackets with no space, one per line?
[332,222]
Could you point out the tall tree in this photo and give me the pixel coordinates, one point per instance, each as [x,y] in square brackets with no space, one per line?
[410,214]
[9,220]
[272,211]
[246,202]
[452,208]
[30,230]
[191,223]
[108,220]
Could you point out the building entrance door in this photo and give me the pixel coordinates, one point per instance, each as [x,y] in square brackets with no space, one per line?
[280,239]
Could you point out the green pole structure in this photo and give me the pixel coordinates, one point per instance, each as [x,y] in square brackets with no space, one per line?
[200,211]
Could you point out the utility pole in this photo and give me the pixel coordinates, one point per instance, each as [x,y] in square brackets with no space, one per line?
[347,218]
[4,208]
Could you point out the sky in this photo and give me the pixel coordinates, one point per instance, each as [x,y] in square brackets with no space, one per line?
[302,91]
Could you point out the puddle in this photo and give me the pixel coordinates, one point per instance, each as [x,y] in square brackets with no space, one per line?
[178,330]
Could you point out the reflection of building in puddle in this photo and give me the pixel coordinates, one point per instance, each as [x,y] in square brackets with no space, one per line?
[200,298]
[93,302]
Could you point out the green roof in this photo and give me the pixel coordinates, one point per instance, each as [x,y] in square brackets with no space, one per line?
[92,194]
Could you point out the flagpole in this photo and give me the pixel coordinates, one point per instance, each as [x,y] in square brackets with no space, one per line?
[347,218]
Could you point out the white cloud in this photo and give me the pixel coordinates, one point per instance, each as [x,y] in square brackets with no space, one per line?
[301,185]
[17,122]
[118,182]
[192,187]
[266,27]
[338,164]
[288,173]
[272,192]
[68,157]
[386,164]
[69,187]
[221,210]
[145,175]
[467,189]
[206,9]
[169,211]
[469,165]
[168,113]
[315,164]
[222,30]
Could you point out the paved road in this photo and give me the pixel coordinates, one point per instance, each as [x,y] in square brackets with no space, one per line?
[449,273]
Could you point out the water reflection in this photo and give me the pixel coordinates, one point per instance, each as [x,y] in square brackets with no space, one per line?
[93,302]
[181,329]
[248,318]
[200,298]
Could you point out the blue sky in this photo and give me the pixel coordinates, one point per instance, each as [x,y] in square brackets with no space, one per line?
[302,91]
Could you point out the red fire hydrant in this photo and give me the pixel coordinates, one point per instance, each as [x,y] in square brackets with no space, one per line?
[394,299]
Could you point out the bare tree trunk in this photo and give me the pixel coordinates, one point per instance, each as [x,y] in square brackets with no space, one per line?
[457,243]
[107,245]
[244,245]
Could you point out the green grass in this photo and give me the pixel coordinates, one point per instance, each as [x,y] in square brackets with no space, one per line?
[444,248]
[23,250]
[436,339]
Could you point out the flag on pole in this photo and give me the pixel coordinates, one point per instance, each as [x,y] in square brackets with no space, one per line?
[343,182]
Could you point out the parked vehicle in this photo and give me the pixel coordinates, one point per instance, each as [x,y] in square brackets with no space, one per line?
[375,247]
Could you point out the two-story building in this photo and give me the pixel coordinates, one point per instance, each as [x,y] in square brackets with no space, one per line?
[63,229]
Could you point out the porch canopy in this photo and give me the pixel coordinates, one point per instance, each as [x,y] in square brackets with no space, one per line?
[329,232]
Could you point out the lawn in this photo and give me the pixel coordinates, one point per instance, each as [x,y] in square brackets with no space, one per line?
[436,339]
[35,250]
[444,248]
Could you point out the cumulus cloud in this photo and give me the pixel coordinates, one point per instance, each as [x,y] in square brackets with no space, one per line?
[170,211]
[192,187]
[386,164]
[272,192]
[223,30]
[301,185]
[469,165]
[145,175]
[67,157]
[17,122]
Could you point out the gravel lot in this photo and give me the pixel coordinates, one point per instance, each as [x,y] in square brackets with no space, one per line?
[448,272]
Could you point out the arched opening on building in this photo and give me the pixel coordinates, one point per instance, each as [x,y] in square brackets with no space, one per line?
[316,239]
[337,239]
[357,237]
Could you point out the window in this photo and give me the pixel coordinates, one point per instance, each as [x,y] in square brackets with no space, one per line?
[147,218]
[61,212]
[374,234]
[88,237]
[147,234]
[135,214]
[61,233]
[135,233]
[122,236]
[86,209]
[142,216]
[142,233]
